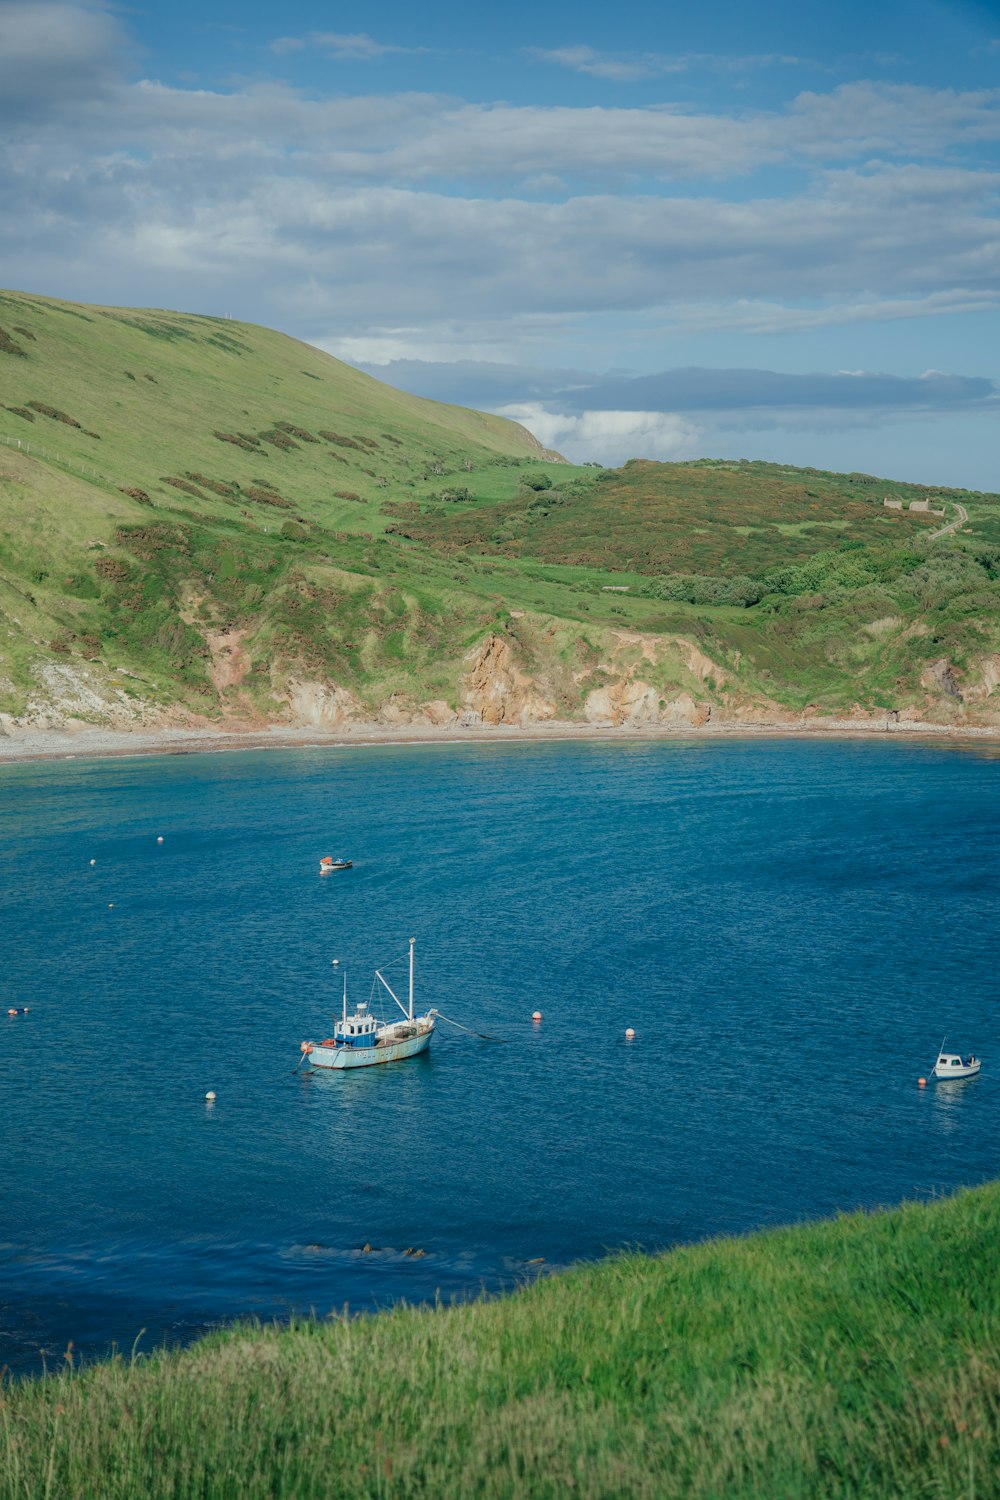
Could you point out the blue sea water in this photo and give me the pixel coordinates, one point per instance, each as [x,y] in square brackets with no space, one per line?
[789,926]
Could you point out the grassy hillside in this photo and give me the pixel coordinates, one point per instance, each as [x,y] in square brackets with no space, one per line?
[853,1358]
[207,520]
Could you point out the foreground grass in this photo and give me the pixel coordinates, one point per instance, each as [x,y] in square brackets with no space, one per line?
[857,1357]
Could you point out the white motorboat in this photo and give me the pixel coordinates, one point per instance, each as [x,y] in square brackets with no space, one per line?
[327,865]
[360,1040]
[954,1065]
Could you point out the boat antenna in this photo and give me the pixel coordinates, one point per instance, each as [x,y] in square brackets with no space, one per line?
[336,965]
[412,941]
[939,1052]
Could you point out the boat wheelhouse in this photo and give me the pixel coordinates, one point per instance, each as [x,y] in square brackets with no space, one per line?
[954,1065]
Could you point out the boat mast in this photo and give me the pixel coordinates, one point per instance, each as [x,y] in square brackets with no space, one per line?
[412,941]
[336,965]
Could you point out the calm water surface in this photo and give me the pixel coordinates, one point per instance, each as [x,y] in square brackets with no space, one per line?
[790,927]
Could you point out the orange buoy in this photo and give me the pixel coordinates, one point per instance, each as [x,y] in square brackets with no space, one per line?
[536,1015]
[922,1083]
[306,1047]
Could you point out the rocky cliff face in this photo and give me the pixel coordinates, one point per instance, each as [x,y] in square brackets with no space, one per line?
[497,691]
[520,677]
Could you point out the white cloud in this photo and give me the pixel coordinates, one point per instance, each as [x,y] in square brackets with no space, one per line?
[600,65]
[52,50]
[753,316]
[609,437]
[408,226]
[347,258]
[337,44]
[627,67]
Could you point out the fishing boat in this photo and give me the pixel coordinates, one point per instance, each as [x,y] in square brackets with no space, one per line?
[953,1065]
[328,865]
[360,1040]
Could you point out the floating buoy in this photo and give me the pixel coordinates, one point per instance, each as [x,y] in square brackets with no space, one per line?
[111,906]
[305,1047]
[93,861]
[210,1096]
[922,1083]
[160,839]
[629,1035]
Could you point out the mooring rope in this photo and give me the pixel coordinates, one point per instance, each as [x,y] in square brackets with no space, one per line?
[484,1035]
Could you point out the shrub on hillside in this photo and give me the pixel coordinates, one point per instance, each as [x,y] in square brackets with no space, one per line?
[182,484]
[268,497]
[217,486]
[694,588]
[239,440]
[10,346]
[279,439]
[111,569]
[53,411]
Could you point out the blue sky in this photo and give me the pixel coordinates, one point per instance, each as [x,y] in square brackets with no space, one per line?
[755,231]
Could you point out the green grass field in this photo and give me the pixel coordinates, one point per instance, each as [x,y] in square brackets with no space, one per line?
[201,513]
[855,1358]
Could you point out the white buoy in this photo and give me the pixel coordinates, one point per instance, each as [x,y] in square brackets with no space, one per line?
[536,1015]
[93,861]
[210,1096]
[160,839]
[630,1035]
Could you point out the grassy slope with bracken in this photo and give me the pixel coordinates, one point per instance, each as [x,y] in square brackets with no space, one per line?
[209,516]
[852,1358]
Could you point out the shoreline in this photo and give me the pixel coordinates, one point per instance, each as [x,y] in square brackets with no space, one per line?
[91,742]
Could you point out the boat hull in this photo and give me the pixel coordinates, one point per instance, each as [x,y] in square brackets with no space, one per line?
[340,1058]
[943,1074]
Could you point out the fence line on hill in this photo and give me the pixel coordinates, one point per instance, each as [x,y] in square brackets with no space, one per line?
[51,456]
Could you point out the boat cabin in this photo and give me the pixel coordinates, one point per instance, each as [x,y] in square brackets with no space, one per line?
[953,1065]
[358,1030]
